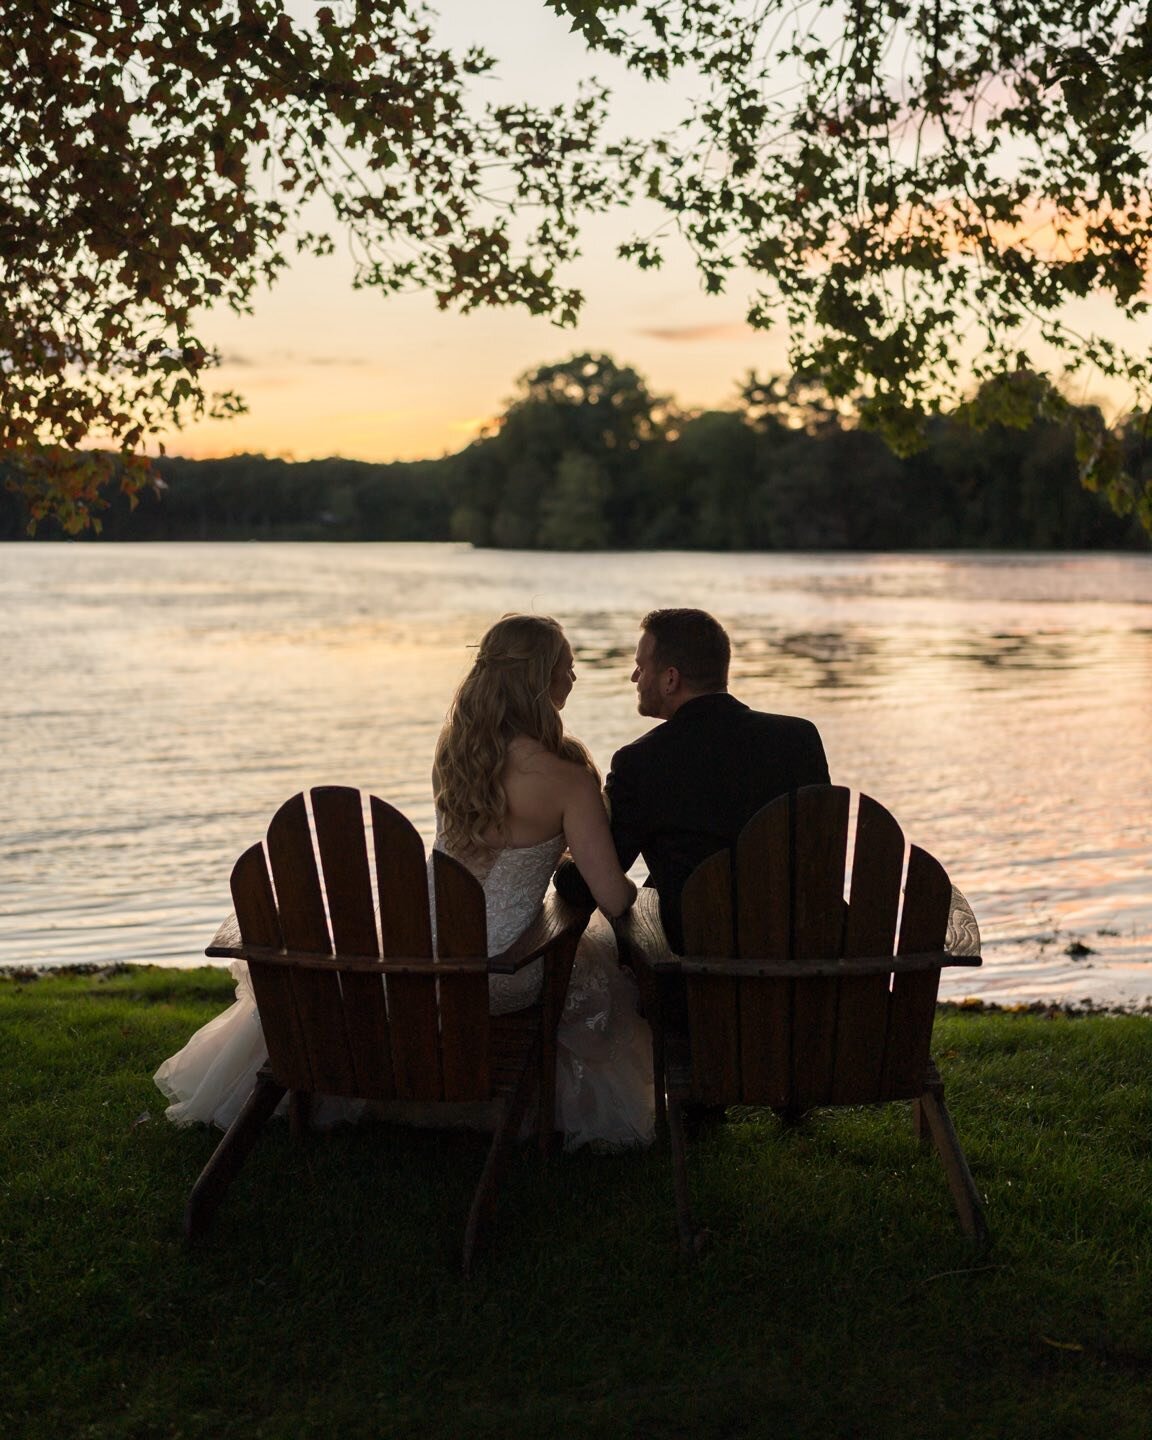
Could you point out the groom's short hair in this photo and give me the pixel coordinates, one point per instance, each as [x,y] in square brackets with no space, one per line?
[694,642]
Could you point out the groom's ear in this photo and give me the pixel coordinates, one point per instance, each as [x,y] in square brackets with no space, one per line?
[671,680]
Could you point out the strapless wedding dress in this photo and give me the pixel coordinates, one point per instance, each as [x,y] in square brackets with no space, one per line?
[603,1048]
[603,1069]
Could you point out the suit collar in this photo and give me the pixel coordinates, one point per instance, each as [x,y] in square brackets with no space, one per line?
[710,704]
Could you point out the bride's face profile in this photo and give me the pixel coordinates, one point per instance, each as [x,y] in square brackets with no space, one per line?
[563,677]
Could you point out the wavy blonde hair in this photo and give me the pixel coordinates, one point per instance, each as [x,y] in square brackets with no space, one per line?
[505,694]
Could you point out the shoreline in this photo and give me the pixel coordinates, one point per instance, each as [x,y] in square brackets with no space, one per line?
[975,1006]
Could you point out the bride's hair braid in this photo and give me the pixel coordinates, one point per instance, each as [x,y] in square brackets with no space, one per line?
[505,694]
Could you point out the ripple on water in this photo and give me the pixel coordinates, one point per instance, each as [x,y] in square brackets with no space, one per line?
[161,701]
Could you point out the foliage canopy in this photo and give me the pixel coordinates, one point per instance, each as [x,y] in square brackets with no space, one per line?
[163,158]
[918,189]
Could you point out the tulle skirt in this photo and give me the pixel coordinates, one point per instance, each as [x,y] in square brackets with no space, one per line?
[603,1069]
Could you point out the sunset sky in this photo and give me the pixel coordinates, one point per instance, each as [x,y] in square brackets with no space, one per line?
[327,370]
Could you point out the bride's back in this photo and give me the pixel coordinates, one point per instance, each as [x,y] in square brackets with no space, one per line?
[536,786]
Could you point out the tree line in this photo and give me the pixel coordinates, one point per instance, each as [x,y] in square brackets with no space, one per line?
[163,160]
[587,458]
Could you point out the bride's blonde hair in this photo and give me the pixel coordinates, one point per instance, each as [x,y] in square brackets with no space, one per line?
[506,693]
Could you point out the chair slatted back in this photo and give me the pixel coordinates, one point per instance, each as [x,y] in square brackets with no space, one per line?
[798,1041]
[352,1029]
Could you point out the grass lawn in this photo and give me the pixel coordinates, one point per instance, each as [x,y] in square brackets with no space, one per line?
[837,1298]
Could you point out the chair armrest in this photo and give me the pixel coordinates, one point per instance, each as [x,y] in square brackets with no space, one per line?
[807,969]
[557,920]
[644,945]
[226,943]
[963,936]
[640,935]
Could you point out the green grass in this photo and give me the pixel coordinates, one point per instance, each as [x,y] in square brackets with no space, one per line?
[837,1297]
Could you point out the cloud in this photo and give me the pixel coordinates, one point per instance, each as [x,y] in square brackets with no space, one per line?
[690,334]
[290,357]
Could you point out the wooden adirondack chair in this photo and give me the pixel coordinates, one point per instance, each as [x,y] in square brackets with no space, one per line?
[790,997]
[354,1002]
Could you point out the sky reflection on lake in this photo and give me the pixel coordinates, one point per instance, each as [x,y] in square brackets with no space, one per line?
[161,701]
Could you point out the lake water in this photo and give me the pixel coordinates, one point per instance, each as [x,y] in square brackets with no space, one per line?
[159,702]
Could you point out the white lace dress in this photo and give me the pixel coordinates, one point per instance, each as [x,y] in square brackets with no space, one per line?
[603,1068]
[604,1049]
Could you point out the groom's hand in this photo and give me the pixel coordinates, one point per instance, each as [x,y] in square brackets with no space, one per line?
[571,885]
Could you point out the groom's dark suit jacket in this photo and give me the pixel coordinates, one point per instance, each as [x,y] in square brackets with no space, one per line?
[688,787]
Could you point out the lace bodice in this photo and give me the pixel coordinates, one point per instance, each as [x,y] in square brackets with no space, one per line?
[514,884]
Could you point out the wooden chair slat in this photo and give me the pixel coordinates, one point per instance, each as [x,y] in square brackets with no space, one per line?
[339,818]
[401,881]
[927,903]
[819,839]
[706,907]
[320,1006]
[415,1033]
[283,1034]
[461,932]
[714,1034]
[253,900]
[764,883]
[259,925]
[877,869]
[764,930]
[870,929]
[765,1042]
[369,1035]
[820,831]
[912,1003]
[299,898]
[815,1007]
[713,1003]
[464,1036]
[406,929]
[461,914]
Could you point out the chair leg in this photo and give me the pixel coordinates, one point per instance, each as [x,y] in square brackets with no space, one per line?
[684,1222]
[920,1126]
[555,990]
[650,1009]
[965,1196]
[483,1208]
[229,1155]
[299,1113]
[658,1067]
[545,1087]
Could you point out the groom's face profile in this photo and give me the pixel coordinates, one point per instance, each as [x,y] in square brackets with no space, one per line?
[648,679]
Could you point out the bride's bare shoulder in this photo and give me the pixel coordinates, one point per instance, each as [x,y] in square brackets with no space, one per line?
[529,757]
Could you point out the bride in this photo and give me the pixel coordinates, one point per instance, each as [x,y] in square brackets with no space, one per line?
[512,793]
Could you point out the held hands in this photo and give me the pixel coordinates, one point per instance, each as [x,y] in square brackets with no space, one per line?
[572,887]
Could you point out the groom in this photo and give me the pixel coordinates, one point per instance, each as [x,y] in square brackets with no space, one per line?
[686,788]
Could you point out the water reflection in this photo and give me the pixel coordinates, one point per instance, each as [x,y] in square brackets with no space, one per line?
[820,660]
[161,701]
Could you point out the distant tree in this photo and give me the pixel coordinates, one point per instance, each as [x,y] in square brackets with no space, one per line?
[572,508]
[518,482]
[719,451]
